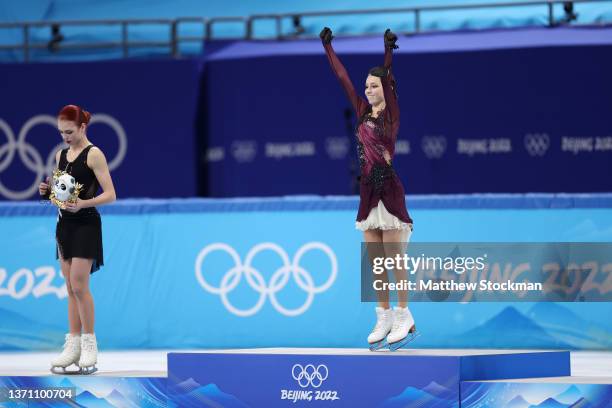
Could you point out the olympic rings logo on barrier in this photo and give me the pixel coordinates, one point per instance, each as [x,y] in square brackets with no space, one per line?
[33,160]
[310,375]
[536,144]
[255,279]
[433,146]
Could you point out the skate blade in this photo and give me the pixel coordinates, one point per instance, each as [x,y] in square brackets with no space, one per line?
[378,345]
[408,339]
[88,370]
[64,371]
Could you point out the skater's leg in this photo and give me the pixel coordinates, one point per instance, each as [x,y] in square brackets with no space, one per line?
[404,329]
[384,315]
[74,320]
[71,352]
[79,277]
[395,243]
[79,280]
[373,240]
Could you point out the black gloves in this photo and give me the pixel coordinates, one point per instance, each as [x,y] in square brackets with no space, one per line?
[390,39]
[326,35]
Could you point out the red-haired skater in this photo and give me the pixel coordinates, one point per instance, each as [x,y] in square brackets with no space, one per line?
[79,236]
[382,214]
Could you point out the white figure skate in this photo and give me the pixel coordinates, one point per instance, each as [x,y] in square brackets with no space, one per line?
[384,323]
[70,355]
[403,330]
[89,354]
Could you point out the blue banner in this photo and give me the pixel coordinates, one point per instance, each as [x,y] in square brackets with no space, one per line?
[253,273]
[143,120]
[486,125]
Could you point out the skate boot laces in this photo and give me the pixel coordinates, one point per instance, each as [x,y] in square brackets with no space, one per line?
[71,341]
[401,319]
[89,343]
[380,322]
[381,319]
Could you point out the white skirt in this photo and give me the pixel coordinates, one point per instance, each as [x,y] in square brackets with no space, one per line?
[380,218]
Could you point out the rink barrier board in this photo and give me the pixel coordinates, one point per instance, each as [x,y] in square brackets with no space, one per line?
[323,203]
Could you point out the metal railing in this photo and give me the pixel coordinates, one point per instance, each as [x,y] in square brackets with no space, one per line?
[208,24]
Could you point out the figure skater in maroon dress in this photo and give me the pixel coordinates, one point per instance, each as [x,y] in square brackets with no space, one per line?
[382,214]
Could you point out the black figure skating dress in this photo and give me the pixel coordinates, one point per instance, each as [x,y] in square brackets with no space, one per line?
[79,235]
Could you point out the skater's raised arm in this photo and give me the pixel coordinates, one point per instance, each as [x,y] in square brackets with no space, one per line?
[388,81]
[358,103]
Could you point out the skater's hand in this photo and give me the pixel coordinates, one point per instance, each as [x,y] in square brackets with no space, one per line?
[390,39]
[326,35]
[73,206]
[43,187]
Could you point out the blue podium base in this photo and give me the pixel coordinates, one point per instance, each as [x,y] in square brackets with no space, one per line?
[345,377]
[92,391]
[583,392]
[316,377]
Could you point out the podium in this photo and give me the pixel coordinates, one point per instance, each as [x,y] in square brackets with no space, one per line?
[332,378]
[346,377]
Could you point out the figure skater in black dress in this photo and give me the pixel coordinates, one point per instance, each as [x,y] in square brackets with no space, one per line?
[79,236]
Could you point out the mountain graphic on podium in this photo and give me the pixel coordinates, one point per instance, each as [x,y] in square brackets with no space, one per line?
[517,402]
[191,394]
[433,395]
[549,403]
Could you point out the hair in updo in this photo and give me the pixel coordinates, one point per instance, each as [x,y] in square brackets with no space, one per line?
[378,71]
[381,72]
[75,114]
